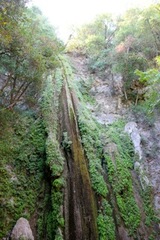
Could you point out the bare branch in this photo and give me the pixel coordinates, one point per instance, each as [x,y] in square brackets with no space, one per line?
[19,94]
[6,83]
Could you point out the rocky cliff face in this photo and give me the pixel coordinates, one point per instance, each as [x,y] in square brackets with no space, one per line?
[98,176]
[80,211]
[108,108]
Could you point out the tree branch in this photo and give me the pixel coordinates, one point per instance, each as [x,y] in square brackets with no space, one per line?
[6,83]
[17,98]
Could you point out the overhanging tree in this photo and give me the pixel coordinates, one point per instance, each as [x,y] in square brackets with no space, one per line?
[29,47]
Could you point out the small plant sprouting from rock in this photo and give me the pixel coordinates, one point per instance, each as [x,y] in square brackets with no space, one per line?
[66,142]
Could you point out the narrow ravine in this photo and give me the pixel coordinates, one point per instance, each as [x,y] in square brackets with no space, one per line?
[91,190]
[79,203]
[107,109]
[79,126]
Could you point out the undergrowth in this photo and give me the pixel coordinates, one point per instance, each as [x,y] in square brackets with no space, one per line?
[105,222]
[53,220]
[22,151]
[91,140]
[120,177]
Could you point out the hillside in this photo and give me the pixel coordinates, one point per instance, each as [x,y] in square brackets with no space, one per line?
[79,128]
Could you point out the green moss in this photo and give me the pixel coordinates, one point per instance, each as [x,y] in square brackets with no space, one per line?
[120,177]
[147,196]
[57,218]
[105,222]
[55,162]
[22,151]
[54,158]
[58,183]
[93,148]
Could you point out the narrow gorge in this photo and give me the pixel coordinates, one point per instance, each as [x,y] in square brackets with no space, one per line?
[79,127]
[93,185]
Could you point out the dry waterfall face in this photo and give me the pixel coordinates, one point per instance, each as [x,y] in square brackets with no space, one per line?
[108,108]
[79,203]
[96,184]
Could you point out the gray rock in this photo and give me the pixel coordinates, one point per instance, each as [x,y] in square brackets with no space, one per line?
[22,230]
[118,85]
[132,130]
[137,165]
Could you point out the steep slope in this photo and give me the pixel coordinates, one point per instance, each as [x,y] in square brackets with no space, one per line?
[106,92]
[149,129]
[108,108]
[78,207]
[90,187]
[79,203]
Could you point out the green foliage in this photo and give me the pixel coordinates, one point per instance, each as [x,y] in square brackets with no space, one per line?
[106,227]
[34,143]
[66,143]
[102,61]
[137,44]
[95,40]
[31,48]
[148,206]
[10,14]
[91,141]
[57,218]
[54,158]
[121,46]
[120,177]
[55,161]
[82,87]
[125,148]
[98,33]
[22,150]
[151,79]
[59,235]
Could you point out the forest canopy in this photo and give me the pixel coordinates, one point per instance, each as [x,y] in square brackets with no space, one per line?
[123,45]
[28,48]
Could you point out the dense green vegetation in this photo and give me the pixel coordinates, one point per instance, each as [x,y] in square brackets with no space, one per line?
[33,72]
[28,48]
[91,140]
[22,150]
[151,79]
[92,144]
[122,46]
[54,159]
[119,168]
